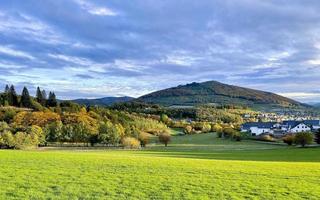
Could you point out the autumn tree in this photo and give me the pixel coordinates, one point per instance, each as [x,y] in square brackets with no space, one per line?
[303,138]
[144,139]
[164,138]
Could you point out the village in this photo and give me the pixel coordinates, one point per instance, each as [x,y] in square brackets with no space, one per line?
[280,128]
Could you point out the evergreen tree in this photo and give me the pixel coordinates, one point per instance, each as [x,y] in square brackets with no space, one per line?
[317,137]
[52,101]
[7,89]
[12,97]
[25,98]
[5,96]
[39,96]
[44,97]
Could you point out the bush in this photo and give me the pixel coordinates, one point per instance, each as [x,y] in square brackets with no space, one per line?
[288,139]
[144,138]
[266,138]
[164,138]
[217,128]
[237,136]
[6,140]
[206,128]
[303,138]
[188,129]
[229,132]
[130,143]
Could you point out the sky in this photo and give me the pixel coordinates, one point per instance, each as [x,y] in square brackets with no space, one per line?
[90,49]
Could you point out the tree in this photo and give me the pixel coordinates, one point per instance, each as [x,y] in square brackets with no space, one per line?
[288,139]
[44,97]
[164,138]
[39,96]
[317,137]
[25,98]
[12,97]
[109,134]
[144,139]
[52,101]
[7,89]
[164,118]
[303,138]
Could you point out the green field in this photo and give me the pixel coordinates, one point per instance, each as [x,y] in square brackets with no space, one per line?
[192,167]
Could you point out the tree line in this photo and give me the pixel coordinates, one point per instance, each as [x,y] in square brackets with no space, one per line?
[10,98]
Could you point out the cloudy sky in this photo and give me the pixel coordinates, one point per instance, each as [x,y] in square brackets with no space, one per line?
[82,48]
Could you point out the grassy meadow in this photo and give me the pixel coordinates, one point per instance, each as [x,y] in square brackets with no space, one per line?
[192,167]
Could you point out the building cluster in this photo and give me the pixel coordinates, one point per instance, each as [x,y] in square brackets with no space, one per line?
[280,128]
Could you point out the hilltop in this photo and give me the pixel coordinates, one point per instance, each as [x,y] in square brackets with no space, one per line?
[213,92]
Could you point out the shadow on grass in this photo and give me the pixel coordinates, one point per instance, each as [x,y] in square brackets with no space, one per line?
[311,154]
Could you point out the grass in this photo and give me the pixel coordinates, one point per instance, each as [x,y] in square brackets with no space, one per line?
[192,167]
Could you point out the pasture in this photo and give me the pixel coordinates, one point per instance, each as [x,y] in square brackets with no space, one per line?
[192,167]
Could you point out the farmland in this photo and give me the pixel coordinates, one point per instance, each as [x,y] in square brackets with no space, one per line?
[192,167]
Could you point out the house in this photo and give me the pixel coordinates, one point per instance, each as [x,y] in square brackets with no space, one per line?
[258,128]
[293,126]
[313,124]
[290,126]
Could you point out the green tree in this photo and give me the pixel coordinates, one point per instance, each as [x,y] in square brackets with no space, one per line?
[25,98]
[109,133]
[303,138]
[52,101]
[12,97]
[39,96]
[164,118]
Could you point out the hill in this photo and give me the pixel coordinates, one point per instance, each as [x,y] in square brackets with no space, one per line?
[106,101]
[213,92]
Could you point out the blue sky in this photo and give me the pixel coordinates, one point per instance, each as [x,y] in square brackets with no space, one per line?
[102,48]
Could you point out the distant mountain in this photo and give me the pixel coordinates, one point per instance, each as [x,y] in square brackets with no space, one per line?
[106,101]
[213,92]
[314,104]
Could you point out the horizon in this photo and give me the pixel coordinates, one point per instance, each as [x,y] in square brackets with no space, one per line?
[95,49]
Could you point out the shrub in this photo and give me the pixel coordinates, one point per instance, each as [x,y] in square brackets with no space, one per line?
[206,128]
[144,138]
[217,128]
[7,140]
[266,138]
[130,143]
[188,129]
[288,139]
[303,138]
[237,136]
[228,132]
[164,138]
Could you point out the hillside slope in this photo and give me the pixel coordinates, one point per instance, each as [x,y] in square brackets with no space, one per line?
[218,93]
[102,101]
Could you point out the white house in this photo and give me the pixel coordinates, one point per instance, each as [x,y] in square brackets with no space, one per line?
[258,128]
[295,126]
[301,127]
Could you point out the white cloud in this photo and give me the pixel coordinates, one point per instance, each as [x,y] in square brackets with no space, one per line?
[29,28]
[94,9]
[16,53]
